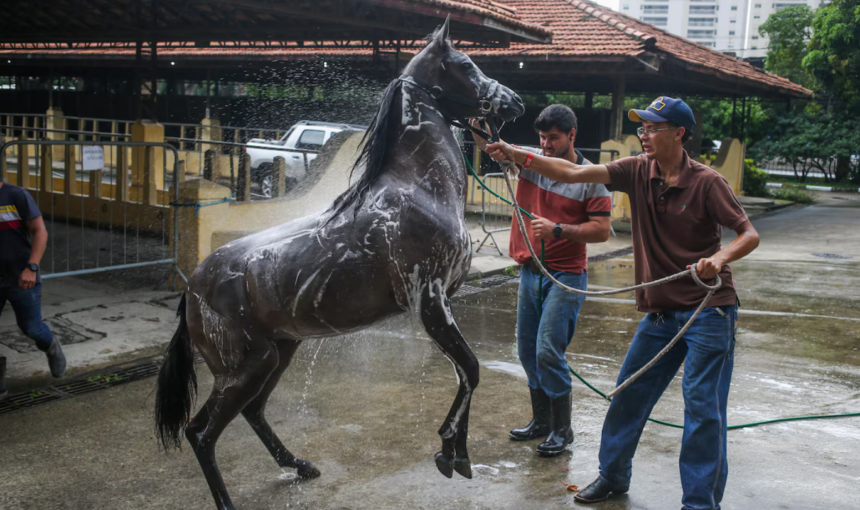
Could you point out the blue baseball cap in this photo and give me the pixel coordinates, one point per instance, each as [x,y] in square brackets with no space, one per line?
[666,109]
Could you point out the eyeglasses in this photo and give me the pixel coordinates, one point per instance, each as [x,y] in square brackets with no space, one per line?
[641,131]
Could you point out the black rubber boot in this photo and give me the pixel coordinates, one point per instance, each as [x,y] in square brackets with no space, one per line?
[561,434]
[56,359]
[3,390]
[539,426]
[598,491]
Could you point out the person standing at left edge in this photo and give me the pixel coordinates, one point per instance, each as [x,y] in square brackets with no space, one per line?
[23,239]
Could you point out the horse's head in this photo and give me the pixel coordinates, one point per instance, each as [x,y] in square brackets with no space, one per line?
[461,89]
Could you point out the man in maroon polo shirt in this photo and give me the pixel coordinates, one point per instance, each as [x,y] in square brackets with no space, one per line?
[679,208]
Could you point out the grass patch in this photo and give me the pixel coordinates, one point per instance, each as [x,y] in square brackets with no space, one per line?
[792,194]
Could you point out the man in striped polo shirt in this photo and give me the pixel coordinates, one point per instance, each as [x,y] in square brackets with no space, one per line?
[567,216]
[23,238]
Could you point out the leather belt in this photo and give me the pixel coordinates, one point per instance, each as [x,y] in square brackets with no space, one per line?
[533,267]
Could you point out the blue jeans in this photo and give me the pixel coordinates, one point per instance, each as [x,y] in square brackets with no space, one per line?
[707,352]
[27,305]
[543,335]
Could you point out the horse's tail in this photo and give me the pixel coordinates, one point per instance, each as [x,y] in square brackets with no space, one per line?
[177,385]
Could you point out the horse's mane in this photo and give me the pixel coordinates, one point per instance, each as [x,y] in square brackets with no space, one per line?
[373,154]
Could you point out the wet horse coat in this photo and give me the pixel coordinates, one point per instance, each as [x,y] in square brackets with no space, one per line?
[395,241]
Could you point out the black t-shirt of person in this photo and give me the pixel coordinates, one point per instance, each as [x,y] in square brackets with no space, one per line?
[16,209]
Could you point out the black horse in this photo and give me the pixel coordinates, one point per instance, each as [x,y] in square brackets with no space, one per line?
[395,241]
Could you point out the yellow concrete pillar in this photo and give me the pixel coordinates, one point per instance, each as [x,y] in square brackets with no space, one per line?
[627,145]
[147,131]
[730,163]
[197,224]
[23,165]
[46,178]
[211,131]
[95,190]
[121,194]
[55,121]
[150,190]
[4,175]
[70,181]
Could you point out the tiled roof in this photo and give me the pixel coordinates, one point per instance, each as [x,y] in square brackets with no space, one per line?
[501,11]
[579,28]
[582,28]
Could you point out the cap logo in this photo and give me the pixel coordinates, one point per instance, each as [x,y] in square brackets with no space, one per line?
[657,105]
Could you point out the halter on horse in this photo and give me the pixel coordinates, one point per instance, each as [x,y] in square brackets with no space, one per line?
[395,241]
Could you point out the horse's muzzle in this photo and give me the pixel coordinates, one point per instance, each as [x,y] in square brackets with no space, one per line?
[513,105]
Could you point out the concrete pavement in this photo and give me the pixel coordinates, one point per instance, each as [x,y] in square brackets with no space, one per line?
[365,408]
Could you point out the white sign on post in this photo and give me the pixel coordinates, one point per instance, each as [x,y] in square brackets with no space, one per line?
[93,157]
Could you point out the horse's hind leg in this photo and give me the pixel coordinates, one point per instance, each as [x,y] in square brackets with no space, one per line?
[439,322]
[235,386]
[255,411]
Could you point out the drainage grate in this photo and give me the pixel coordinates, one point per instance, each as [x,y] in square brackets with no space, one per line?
[25,400]
[101,381]
[84,385]
[832,256]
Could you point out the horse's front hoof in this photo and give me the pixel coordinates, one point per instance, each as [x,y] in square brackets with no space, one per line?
[464,467]
[306,470]
[445,465]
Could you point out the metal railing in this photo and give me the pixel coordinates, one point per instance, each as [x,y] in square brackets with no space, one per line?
[228,143]
[90,231]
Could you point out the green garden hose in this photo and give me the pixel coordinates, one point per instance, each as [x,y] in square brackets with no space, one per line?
[585,382]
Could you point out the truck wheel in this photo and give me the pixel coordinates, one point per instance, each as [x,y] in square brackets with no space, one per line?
[266,186]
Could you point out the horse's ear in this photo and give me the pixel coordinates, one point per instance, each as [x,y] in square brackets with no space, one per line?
[442,33]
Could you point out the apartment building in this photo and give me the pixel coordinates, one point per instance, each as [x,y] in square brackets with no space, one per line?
[756,45]
[724,25]
[717,24]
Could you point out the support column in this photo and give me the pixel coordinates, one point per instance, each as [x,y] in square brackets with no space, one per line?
[121,174]
[150,190]
[211,131]
[196,224]
[243,186]
[210,165]
[153,132]
[95,190]
[70,182]
[279,176]
[4,175]
[616,119]
[47,176]
[57,122]
[23,163]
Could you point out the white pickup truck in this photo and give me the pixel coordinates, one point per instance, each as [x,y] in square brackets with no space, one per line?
[299,146]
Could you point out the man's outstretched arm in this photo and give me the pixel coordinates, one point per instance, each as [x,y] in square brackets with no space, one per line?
[557,169]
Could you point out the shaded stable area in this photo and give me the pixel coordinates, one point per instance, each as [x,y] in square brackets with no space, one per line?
[593,51]
[365,408]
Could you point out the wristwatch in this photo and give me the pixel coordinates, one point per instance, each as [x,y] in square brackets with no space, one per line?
[33,267]
[556,232]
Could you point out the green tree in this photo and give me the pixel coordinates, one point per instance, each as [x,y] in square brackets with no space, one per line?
[789,30]
[814,138]
[834,50]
